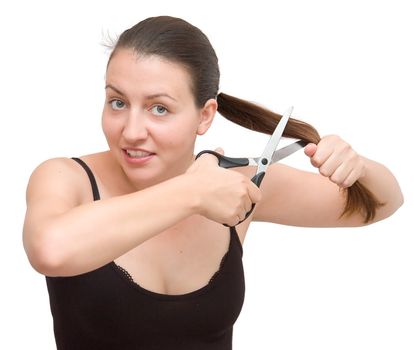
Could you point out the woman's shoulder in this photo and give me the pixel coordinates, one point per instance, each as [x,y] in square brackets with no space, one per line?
[59,166]
[67,165]
[60,175]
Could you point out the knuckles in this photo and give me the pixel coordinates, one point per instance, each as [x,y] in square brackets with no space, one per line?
[324,171]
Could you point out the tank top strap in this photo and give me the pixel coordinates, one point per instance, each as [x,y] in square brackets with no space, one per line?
[92,179]
[235,236]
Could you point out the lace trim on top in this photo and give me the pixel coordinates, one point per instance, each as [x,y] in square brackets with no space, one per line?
[129,277]
[201,290]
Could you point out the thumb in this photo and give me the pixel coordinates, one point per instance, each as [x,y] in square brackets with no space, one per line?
[310,149]
[219,150]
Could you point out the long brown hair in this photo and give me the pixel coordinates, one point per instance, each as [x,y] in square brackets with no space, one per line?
[183,43]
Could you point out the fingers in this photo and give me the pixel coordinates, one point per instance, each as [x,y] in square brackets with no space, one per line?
[255,193]
[241,216]
[341,173]
[339,165]
[351,179]
[335,162]
[310,149]
[321,153]
[336,159]
[255,196]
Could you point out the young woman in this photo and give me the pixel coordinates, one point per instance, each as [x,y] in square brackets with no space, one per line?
[131,240]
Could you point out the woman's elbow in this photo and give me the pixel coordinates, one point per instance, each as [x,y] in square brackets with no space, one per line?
[43,254]
[389,208]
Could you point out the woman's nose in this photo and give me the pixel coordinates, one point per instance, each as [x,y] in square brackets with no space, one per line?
[135,127]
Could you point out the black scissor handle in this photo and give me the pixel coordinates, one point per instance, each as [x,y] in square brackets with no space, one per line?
[257,179]
[226,162]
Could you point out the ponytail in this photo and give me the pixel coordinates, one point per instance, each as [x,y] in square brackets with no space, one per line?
[251,116]
[179,41]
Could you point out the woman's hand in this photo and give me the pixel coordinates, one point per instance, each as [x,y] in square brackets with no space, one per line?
[337,160]
[225,196]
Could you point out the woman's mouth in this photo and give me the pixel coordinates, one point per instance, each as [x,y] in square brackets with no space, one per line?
[137,156]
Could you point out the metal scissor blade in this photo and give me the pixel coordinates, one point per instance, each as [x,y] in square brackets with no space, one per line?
[281,153]
[288,150]
[271,146]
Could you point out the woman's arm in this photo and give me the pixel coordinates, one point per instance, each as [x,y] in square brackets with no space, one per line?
[66,233]
[300,198]
[62,236]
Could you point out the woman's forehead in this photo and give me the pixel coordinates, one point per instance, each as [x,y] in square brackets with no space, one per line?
[129,71]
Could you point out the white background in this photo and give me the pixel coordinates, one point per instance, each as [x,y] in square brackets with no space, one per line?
[346,66]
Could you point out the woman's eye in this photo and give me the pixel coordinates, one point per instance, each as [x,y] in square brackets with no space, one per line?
[159,110]
[117,104]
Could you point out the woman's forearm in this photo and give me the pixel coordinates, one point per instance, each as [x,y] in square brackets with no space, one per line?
[93,234]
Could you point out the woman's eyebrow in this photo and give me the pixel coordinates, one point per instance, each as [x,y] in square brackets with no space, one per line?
[148,97]
[115,89]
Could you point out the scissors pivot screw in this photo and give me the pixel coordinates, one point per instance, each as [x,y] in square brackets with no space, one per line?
[264,161]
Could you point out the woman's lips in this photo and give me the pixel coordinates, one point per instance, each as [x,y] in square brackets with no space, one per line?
[138,153]
[133,157]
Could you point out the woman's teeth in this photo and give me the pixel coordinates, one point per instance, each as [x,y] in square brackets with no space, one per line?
[138,154]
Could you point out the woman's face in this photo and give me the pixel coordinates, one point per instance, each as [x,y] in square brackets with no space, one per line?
[150,119]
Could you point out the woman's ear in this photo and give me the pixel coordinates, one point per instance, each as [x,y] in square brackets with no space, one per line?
[207,114]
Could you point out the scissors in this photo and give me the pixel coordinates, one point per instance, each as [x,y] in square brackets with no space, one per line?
[269,156]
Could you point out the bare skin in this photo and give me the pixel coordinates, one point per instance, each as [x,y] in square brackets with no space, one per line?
[180,259]
[162,221]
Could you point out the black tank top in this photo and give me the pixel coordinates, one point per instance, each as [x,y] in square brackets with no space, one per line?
[105,309]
